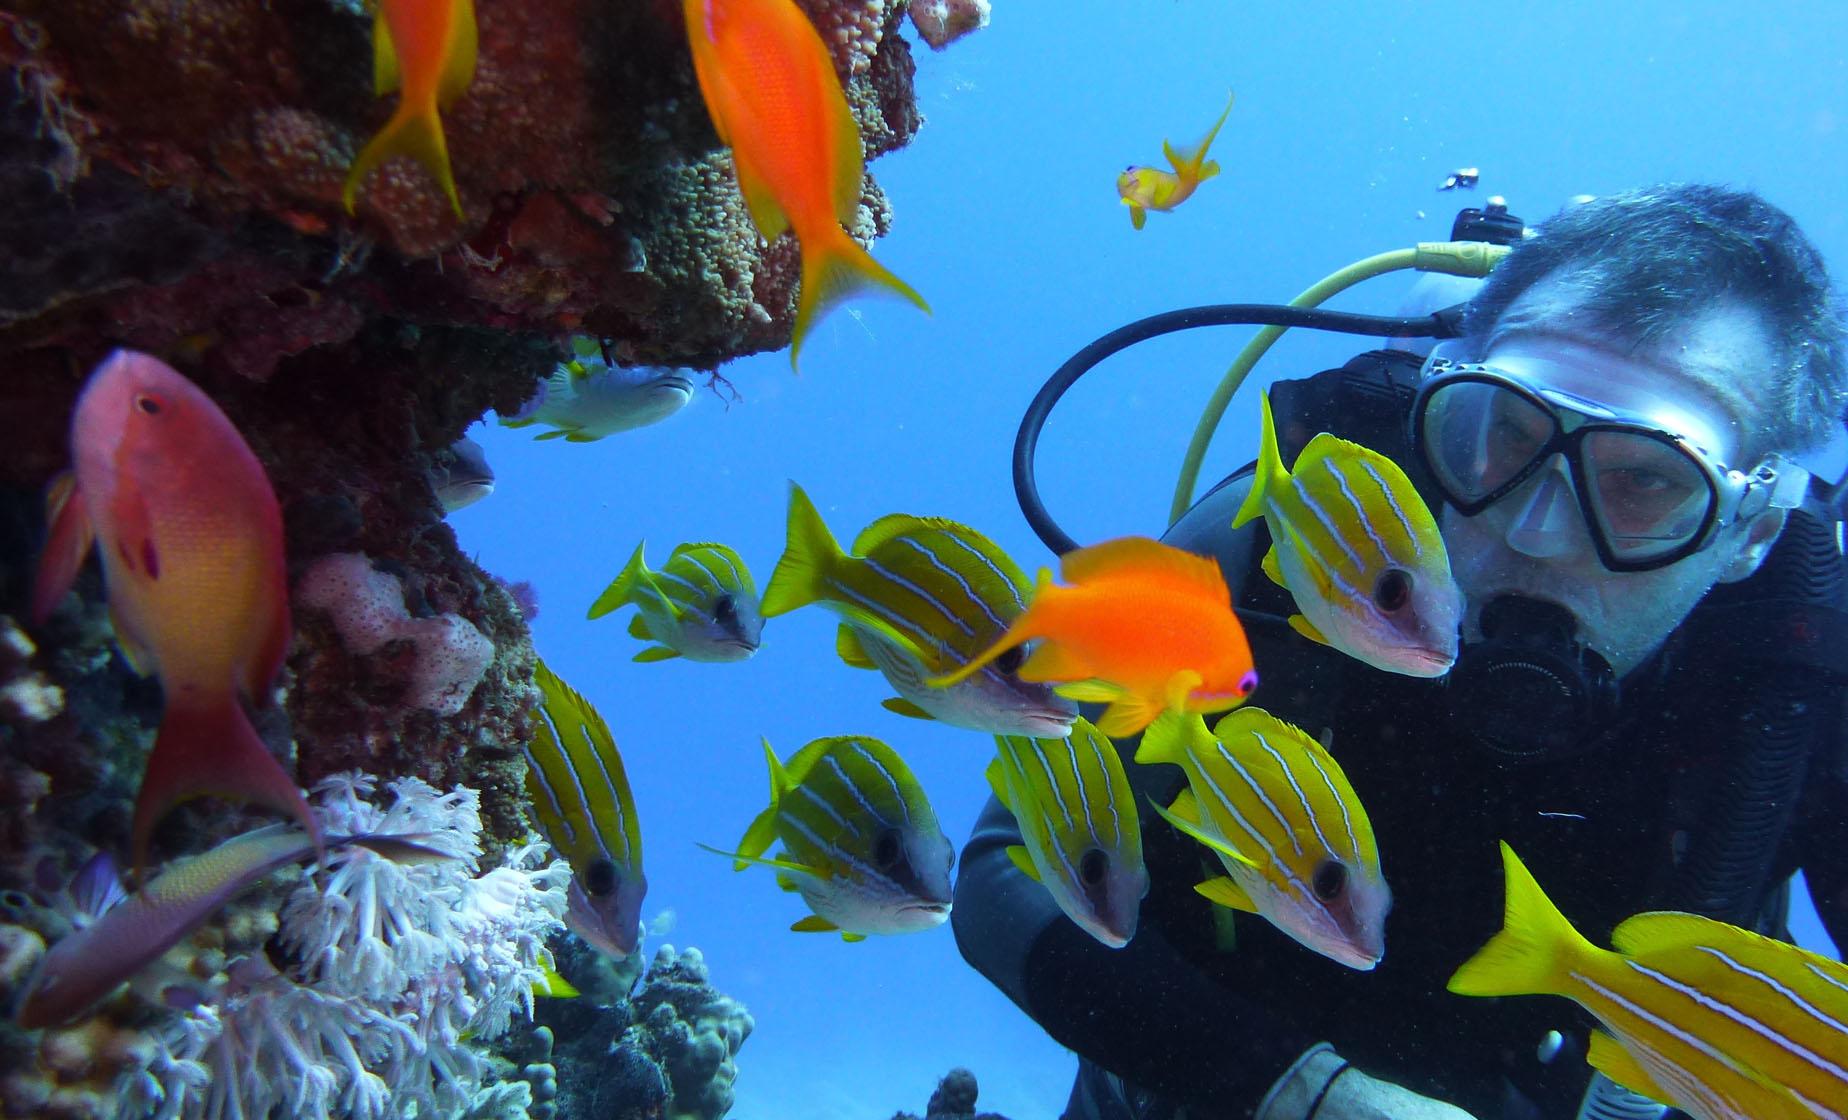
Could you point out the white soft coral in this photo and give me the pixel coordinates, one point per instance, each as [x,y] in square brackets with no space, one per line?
[400,964]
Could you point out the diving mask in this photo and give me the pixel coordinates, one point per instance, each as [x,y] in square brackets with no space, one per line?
[1648,488]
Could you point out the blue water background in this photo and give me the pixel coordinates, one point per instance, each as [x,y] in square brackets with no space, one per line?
[1348,117]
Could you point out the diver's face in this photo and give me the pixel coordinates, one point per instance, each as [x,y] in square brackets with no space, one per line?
[1534,541]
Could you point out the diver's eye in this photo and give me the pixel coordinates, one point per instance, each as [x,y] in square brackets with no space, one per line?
[887,849]
[600,878]
[148,404]
[1329,881]
[1092,866]
[1393,590]
[725,610]
[1010,660]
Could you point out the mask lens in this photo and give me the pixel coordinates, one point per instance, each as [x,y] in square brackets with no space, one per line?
[1647,495]
[1479,436]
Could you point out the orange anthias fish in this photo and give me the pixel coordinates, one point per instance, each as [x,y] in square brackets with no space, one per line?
[1143,626]
[191,542]
[426,50]
[774,97]
[1150,188]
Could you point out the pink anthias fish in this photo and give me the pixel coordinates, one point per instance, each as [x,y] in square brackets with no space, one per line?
[191,543]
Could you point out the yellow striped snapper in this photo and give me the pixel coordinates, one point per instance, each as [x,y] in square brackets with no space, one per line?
[575,780]
[920,597]
[701,605]
[860,841]
[1295,842]
[1359,551]
[586,398]
[1077,815]
[1706,1017]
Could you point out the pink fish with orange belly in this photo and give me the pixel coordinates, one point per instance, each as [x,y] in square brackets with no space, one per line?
[190,538]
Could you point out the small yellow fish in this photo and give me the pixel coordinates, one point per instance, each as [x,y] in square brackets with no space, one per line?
[1709,1018]
[1149,188]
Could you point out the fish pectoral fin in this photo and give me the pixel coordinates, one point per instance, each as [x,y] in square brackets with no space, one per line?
[1307,629]
[1222,891]
[850,649]
[1095,690]
[1194,830]
[1608,1057]
[657,653]
[1051,661]
[1019,856]
[1209,169]
[139,657]
[65,547]
[1138,215]
[1185,807]
[850,937]
[904,707]
[1180,687]
[814,923]
[1273,569]
[740,861]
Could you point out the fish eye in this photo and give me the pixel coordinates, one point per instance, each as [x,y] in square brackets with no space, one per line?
[1010,660]
[148,404]
[1393,590]
[600,878]
[887,849]
[725,610]
[1248,683]
[1092,866]
[1329,881]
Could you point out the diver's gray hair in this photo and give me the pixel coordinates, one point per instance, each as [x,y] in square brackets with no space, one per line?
[1639,264]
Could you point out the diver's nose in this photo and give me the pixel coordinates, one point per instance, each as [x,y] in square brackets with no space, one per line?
[1546,521]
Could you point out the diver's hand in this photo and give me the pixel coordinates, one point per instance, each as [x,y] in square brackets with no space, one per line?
[1322,1086]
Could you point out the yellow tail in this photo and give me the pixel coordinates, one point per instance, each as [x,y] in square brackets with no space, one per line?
[415,131]
[808,556]
[1270,474]
[1535,949]
[833,268]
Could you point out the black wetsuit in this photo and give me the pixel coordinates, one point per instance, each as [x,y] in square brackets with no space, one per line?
[1204,1009]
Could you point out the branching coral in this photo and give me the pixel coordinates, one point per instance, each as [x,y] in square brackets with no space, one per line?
[397,968]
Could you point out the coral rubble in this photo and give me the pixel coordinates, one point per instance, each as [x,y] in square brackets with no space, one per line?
[954,1099]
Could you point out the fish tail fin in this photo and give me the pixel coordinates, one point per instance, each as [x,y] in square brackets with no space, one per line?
[833,268]
[415,131]
[1166,739]
[1271,473]
[623,586]
[762,831]
[1022,630]
[213,750]
[1536,946]
[812,552]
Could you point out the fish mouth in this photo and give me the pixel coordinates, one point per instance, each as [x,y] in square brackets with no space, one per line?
[925,908]
[1048,723]
[1431,662]
[676,382]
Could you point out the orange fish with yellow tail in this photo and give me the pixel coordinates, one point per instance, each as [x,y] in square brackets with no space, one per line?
[425,49]
[191,542]
[774,97]
[1143,626]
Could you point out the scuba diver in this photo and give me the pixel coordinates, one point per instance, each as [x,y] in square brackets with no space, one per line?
[1647,701]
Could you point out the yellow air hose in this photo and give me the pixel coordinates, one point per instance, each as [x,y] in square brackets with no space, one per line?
[1457,258]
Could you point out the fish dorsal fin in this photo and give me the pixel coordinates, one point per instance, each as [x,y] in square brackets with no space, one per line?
[814,923]
[1664,931]
[901,706]
[1021,858]
[385,74]
[1086,690]
[894,525]
[851,650]
[1608,1056]
[1223,891]
[1327,445]
[1144,556]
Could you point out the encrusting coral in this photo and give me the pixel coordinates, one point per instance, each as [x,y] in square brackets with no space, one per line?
[395,973]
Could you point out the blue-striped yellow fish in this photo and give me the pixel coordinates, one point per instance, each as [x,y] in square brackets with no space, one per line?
[1712,1019]
[1295,842]
[701,605]
[920,596]
[860,841]
[575,780]
[1359,551]
[1077,816]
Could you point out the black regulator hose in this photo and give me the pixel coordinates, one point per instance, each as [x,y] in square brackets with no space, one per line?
[1026,441]
[1799,591]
